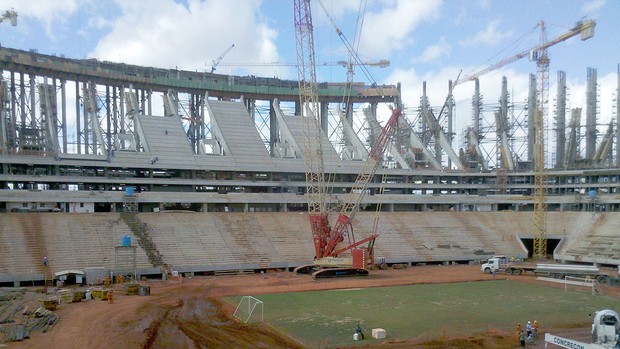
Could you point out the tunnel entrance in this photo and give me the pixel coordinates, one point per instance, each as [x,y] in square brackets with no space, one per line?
[551,245]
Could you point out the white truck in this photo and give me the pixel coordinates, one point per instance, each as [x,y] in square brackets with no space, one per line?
[501,264]
[605,332]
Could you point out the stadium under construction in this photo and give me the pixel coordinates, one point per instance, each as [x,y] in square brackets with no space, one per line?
[207,172]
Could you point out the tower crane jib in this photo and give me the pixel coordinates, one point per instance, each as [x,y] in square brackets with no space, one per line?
[583,28]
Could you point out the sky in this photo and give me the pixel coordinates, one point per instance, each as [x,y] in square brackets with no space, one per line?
[424,40]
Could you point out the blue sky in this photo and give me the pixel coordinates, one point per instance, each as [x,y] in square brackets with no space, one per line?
[425,40]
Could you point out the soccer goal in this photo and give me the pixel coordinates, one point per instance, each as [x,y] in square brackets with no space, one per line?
[246,307]
[573,282]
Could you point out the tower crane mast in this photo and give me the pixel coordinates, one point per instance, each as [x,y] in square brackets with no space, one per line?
[539,54]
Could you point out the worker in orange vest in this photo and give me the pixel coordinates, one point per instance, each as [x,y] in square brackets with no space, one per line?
[110,300]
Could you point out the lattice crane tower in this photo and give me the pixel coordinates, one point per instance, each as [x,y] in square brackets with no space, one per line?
[586,30]
[540,187]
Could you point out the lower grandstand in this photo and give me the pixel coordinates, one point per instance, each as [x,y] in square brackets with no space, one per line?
[204,243]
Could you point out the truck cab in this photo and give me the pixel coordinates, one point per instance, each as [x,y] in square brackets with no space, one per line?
[605,327]
[494,264]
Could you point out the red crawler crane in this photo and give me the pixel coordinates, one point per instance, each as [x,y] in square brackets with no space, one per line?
[329,243]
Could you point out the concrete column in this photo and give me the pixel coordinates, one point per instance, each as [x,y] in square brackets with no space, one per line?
[531,118]
[618,120]
[273,128]
[560,137]
[450,109]
[324,117]
[591,114]
[423,109]
[77,118]
[476,104]
[63,114]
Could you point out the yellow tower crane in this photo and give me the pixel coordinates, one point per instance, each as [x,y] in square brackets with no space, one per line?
[539,55]
[586,29]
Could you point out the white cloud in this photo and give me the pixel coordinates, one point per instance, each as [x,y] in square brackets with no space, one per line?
[592,7]
[392,28]
[49,13]
[489,36]
[166,34]
[434,52]
[338,8]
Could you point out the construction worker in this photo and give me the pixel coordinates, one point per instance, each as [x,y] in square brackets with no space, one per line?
[358,330]
[98,279]
[522,338]
[45,261]
[518,331]
[110,300]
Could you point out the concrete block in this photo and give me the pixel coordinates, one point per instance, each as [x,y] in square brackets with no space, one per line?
[378,333]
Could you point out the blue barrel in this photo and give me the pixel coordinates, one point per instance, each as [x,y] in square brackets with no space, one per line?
[129,190]
[592,194]
[126,240]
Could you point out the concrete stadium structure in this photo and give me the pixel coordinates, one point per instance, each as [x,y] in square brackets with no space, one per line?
[228,149]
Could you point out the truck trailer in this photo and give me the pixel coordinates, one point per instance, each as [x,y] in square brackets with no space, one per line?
[501,264]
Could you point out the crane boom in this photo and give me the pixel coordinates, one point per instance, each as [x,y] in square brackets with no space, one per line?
[217,61]
[309,107]
[382,63]
[11,15]
[585,28]
[358,191]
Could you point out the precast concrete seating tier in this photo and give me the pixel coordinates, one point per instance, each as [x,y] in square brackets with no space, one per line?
[331,159]
[220,241]
[444,236]
[239,133]
[212,241]
[595,237]
[167,141]
[69,241]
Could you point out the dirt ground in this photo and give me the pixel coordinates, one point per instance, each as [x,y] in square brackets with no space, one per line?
[188,314]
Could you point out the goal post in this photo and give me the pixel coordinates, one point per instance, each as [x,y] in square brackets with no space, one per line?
[573,282]
[246,308]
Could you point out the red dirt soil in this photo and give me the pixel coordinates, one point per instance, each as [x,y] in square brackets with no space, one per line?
[188,314]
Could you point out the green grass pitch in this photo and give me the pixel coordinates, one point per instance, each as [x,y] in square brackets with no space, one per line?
[328,318]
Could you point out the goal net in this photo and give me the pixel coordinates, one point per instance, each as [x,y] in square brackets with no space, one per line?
[577,283]
[247,307]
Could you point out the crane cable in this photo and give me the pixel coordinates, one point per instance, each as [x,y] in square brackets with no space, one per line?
[511,47]
[349,47]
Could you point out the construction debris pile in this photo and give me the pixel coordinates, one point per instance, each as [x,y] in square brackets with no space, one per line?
[22,313]
[26,310]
